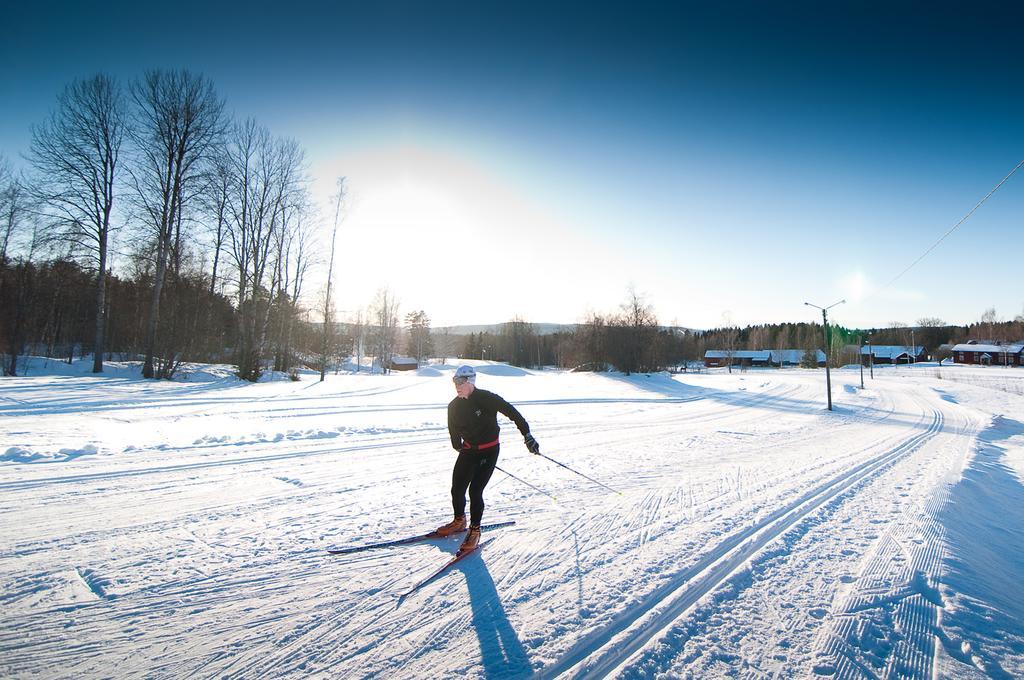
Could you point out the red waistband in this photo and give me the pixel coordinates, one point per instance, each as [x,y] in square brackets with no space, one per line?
[478,447]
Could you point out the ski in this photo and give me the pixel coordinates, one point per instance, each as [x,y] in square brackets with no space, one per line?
[411,539]
[447,565]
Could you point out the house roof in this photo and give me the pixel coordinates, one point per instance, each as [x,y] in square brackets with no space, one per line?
[791,356]
[794,356]
[762,355]
[991,349]
[892,351]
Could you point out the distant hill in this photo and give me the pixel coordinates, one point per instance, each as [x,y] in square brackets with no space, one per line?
[541,328]
[495,328]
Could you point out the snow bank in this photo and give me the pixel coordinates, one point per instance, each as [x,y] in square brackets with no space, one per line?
[17,454]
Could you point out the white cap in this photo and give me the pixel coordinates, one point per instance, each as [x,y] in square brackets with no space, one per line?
[466,372]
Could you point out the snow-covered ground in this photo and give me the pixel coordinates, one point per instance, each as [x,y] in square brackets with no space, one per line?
[159,529]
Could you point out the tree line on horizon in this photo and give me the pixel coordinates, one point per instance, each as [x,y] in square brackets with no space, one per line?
[618,342]
[49,304]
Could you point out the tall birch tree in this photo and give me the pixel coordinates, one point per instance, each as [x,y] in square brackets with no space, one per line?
[179,121]
[267,175]
[339,199]
[76,156]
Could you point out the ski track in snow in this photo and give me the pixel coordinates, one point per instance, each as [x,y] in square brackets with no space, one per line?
[642,622]
[756,535]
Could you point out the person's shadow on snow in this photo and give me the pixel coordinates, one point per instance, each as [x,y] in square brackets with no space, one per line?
[501,651]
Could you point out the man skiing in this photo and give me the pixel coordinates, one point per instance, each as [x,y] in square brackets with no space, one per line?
[473,427]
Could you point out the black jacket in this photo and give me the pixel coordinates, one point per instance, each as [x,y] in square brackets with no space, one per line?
[473,421]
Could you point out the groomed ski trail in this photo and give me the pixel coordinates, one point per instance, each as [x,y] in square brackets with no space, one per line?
[633,629]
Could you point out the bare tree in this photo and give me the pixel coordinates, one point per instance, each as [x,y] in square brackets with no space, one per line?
[15,207]
[590,341]
[989,319]
[640,324]
[900,333]
[444,344]
[215,205]
[6,225]
[384,314]
[297,258]
[76,157]
[289,181]
[339,199]
[781,344]
[760,338]
[247,146]
[358,324]
[730,335]
[19,294]
[179,122]
[931,334]
[267,177]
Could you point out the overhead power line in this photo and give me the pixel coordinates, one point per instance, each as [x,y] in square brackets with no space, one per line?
[955,226]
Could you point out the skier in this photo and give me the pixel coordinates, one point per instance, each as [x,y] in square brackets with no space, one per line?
[473,427]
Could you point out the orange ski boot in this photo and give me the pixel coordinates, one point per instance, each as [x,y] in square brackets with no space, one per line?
[455,526]
[471,541]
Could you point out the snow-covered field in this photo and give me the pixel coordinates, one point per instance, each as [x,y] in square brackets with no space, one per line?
[171,530]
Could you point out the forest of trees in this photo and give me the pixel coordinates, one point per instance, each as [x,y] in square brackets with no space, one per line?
[215,235]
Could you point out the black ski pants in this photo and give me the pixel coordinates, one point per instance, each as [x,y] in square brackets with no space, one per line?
[472,471]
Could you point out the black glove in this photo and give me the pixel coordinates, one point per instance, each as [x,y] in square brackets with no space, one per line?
[531,444]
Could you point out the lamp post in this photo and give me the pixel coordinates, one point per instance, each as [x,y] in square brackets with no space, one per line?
[824,331]
[871,359]
[913,348]
[861,362]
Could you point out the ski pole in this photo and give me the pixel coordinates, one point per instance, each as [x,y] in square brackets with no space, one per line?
[579,473]
[523,481]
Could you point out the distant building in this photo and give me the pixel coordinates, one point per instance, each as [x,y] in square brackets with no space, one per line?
[892,354]
[739,357]
[794,357]
[986,354]
[404,364]
[759,357]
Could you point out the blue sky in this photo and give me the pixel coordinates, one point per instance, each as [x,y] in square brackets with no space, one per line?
[728,162]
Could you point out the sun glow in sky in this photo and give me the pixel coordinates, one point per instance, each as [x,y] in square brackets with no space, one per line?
[726,161]
[856,287]
[455,233]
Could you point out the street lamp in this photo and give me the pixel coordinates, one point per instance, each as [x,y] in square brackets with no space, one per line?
[860,360]
[824,331]
[871,359]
